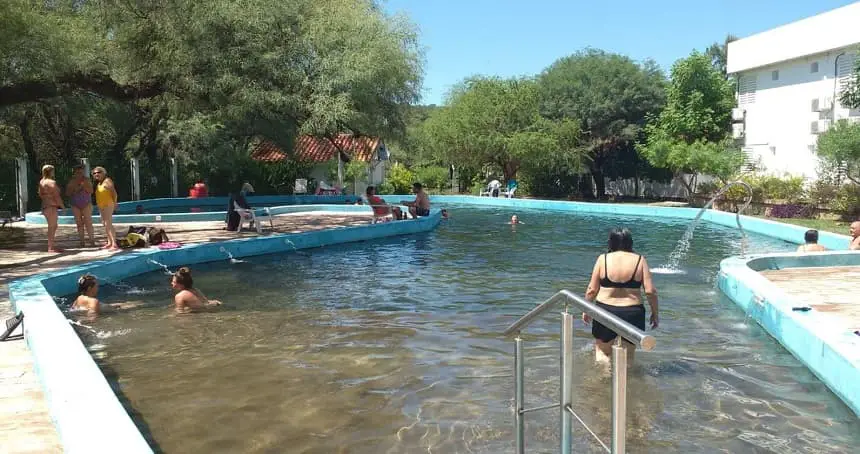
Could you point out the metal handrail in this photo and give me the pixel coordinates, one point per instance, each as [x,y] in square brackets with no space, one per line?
[606,318]
[566,370]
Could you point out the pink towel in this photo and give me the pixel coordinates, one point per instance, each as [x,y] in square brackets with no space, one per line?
[169,245]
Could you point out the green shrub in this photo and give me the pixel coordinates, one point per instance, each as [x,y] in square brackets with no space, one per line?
[434,177]
[400,179]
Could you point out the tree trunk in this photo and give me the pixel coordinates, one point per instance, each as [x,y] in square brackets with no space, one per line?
[599,183]
[680,176]
[29,149]
[636,183]
[586,188]
[510,170]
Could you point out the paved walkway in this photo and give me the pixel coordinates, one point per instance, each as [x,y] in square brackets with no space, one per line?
[831,290]
[25,424]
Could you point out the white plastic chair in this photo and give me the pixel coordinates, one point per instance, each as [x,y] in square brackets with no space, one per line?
[301,186]
[380,217]
[246,214]
[493,186]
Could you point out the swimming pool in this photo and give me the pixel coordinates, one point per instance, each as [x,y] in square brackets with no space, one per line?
[395,345]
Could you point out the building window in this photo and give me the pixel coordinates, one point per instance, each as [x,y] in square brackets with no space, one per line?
[813,68]
[774,75]
[747,89]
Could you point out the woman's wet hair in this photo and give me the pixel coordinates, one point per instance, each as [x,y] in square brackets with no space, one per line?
[47,171]
[183,277]
[811,236]
[620,239]
[86,282]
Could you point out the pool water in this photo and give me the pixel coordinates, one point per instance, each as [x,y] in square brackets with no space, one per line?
[394,346]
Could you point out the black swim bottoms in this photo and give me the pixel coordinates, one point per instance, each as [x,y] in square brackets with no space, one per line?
[422,212]
[634,315]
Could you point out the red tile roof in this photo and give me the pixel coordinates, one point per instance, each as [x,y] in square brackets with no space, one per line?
[319,149]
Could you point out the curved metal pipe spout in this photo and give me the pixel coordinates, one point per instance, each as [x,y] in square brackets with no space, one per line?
[740,210]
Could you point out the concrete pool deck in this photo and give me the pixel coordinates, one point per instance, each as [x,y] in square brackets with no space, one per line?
[25,421]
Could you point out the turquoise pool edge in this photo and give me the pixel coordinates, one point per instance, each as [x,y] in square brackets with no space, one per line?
[829,351]
[77,393]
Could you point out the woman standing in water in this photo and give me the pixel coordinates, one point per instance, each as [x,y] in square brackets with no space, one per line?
[80,194]
[106,201]
[616,283]
[188,299]
[52,203]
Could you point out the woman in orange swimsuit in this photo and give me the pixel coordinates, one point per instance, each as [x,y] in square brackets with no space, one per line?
[80,194]
[52,203]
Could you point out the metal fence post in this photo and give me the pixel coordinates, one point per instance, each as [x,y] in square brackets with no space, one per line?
[519,396]
[174,179]
[619,397]
[86,163]
[566,372]
[135,179]
[22,177]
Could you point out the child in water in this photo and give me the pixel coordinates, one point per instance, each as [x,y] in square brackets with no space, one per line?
[515,220]
[188,299]
[87,300]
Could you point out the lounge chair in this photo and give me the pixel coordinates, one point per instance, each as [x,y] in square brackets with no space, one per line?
[509,191]
[301,186]
[324,189]
[11,324]
[246,214]
[493,189]
[6,218]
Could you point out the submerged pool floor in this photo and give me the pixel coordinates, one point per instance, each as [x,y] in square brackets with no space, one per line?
[395,345]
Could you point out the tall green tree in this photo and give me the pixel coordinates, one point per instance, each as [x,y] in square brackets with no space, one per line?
[690,135]
[610,96]
[492,121]
[850,96]
[719,53]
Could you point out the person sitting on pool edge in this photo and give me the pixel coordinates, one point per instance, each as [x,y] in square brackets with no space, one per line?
[188,299]
[421,205]
[380,208]
[617,289]
[87,300]
[811,238]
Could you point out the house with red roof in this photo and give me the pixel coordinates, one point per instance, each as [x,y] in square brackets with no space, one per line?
[325,152]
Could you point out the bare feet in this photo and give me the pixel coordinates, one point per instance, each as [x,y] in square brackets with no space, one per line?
[55,250]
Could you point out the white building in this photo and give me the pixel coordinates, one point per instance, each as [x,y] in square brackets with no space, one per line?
[789,81]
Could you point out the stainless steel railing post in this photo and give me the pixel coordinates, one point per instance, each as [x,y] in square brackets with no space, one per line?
[566,379]
[619,397]
[519,393]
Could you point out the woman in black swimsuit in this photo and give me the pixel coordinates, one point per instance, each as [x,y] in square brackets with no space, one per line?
[616,283]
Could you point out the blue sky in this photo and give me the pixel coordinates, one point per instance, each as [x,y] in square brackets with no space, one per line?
[513,38]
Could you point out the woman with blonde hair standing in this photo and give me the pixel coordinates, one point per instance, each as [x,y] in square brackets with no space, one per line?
[52,203]
[106,201]
[80,194]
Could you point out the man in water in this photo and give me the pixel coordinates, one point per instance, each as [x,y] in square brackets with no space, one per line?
[855,236]
[515,220]
[421,205]
[811,238]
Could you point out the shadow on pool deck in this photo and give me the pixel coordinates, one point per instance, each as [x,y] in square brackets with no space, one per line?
[25,424]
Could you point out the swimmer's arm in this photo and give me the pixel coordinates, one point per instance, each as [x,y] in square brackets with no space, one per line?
[855,244]
[594,283]
[88,186]
[58,196]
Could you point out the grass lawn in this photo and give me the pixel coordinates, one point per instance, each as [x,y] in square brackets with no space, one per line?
[824,225]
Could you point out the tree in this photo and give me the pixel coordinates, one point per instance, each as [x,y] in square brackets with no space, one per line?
[492,121]
[840,147]
[610,96]
[198,81]
[690,134]
[719,54]
[850,95]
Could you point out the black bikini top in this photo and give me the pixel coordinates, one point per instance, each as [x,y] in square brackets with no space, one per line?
[608,283]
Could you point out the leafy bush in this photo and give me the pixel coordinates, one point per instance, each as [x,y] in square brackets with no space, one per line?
[792,211]
[434,177]
[399,179]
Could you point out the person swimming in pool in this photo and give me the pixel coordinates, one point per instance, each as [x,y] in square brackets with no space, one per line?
[88,301]
[616,285]
[515,220]
[188,299]
[811,239]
